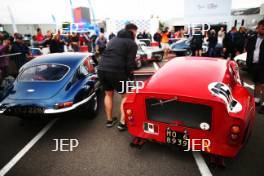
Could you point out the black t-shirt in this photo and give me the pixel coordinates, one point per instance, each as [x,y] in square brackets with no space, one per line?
[56,46]
[119,55]
[75,39]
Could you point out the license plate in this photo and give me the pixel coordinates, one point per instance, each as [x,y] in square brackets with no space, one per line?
[177,138]
[26,110]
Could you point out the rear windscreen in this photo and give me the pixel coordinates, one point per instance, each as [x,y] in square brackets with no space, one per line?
[44,72]
[181,113]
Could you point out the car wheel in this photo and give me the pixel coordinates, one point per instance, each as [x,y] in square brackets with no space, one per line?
[139,63]
[93,106]
[188,53]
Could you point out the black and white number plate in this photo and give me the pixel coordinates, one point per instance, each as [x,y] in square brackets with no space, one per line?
[177,138]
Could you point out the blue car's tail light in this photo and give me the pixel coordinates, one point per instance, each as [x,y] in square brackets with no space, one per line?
[63,105]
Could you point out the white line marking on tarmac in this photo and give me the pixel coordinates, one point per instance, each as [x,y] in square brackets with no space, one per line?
[29,145]
[203,168]
[249,86]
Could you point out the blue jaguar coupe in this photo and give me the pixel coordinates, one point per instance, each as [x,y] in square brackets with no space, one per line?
[54,84]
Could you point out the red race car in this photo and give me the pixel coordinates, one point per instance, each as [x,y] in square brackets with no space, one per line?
[195,103]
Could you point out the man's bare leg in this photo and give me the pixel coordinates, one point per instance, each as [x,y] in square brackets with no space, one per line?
[200,53]
[108,102]
[166,53]
[122,124]
[196,53]
[122,118]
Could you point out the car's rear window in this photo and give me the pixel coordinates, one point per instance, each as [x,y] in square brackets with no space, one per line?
[44,72]
[170,111]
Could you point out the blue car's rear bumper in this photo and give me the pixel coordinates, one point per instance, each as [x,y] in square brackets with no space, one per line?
[37,108]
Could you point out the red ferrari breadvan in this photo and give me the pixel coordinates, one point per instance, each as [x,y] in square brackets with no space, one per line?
[196,103]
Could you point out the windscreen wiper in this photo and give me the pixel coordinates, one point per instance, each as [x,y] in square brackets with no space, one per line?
[163,102]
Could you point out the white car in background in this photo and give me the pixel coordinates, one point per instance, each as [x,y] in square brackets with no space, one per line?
[148,53]
[241,60]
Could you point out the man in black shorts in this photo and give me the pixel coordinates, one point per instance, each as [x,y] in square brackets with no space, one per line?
[255,63]
[116,68]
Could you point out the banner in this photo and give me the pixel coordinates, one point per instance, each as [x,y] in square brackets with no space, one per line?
[207,11]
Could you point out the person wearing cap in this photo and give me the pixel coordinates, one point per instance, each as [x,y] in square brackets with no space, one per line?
[255,63]
[116,68]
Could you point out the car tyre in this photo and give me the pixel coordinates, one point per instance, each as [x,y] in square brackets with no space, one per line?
[93,106]
[188,52]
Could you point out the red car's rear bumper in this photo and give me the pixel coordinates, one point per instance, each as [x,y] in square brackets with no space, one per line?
[198,139]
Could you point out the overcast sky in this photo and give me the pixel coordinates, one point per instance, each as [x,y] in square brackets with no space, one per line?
[40,11]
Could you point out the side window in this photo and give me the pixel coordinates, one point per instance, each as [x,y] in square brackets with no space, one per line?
[84,69]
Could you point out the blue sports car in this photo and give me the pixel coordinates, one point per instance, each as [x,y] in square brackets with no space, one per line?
[182,45]
[54,84]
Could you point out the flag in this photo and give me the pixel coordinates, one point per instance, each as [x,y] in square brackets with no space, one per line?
[151,128]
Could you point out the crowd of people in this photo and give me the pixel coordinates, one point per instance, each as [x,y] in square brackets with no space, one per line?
[255,63]
[12,46]
[58,43]
[230,43]
[14,50]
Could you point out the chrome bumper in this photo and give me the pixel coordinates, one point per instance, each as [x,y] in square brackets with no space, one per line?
[57,111]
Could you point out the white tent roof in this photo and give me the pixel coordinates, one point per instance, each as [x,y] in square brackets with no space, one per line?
[34,11]
[41,11]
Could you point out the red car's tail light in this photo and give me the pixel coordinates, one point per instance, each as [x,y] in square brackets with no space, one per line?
[130,118]
[206,146]
[234,136]
[63,105]
[234,133]
[129,112]
[235,129]
[68,104]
